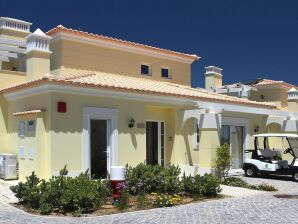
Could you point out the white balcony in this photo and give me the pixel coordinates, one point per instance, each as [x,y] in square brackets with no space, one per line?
[14,24]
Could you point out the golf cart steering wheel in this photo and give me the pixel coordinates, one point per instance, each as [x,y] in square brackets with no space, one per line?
[287,150]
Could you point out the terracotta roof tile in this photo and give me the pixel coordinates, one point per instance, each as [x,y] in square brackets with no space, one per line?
[27,112]
[63,29]
[269,82]
[102,80]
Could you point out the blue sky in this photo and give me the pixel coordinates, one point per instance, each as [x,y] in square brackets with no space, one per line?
[247,38]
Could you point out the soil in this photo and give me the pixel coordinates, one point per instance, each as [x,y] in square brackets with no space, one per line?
[109,209]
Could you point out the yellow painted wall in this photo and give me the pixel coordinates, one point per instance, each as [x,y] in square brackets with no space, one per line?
[38,64]
[293,106]
[3,125]
[38,142]
[213,81]
[69,57]
[11,78]
[132,142]
[277,96]
[184,150]
[210,140]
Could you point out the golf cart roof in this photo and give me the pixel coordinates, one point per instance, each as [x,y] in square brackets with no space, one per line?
[279,135]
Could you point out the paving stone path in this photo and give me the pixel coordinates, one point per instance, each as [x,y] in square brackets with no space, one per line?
[260,208]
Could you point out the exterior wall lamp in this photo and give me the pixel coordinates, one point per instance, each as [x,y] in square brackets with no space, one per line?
[131,123]
[257,128]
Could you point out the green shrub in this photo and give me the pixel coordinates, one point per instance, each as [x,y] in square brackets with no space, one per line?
[153,178]
[29,192]
[191,185]
[263,187]
[66,194]
[142,200]
[210,185]
[201,186]
[235,182]
[238,182]
[222,162]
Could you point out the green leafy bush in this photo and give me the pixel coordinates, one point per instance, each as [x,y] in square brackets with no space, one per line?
[235,182]
[238,182]
[62,193]
[197,186]
[222,162]
[28,192]
[263,187]
[153,178]
[210,185]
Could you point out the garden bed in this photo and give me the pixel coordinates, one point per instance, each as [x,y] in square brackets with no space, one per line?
[109,208]
[145,187]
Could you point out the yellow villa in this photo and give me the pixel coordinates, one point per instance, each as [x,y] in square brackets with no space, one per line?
[91,101]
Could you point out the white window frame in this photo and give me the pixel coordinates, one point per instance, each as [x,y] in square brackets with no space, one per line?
[150,70]
[169,72]
[111,115]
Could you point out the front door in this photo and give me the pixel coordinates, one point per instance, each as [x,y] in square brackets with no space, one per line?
[234,136]
[99,148]
[155,143]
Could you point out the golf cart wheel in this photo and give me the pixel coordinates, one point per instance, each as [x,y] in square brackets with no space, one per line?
[250,172]
[295,176]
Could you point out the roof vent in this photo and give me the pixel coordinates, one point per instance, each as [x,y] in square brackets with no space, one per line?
[213,77]
[38,41]
[292,94]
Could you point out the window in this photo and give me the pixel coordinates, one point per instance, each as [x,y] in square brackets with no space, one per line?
[165,73]
[145,69]
[225,134]
[197,136]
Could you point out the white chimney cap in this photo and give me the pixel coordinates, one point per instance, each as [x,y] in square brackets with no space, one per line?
[213,70]
[293,89]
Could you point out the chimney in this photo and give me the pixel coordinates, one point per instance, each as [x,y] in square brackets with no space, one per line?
[37,55]
[293,100]
[213,77]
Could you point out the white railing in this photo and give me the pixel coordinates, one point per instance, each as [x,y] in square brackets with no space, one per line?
[38,41]
[14,24]
[213,70]
[293,94]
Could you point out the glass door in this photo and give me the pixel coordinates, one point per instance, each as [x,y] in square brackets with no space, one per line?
[234,136]
[99,148]
[155,145]
[237,133]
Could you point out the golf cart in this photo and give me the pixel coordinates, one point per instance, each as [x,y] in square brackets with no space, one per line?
[267,160]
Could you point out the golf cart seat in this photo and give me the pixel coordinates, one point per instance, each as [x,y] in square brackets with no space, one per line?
[269,156]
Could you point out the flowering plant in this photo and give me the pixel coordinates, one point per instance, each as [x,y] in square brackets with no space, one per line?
[165,200]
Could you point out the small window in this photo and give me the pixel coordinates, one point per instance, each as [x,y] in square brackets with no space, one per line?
[145,69]
[197,136]
[165,73]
